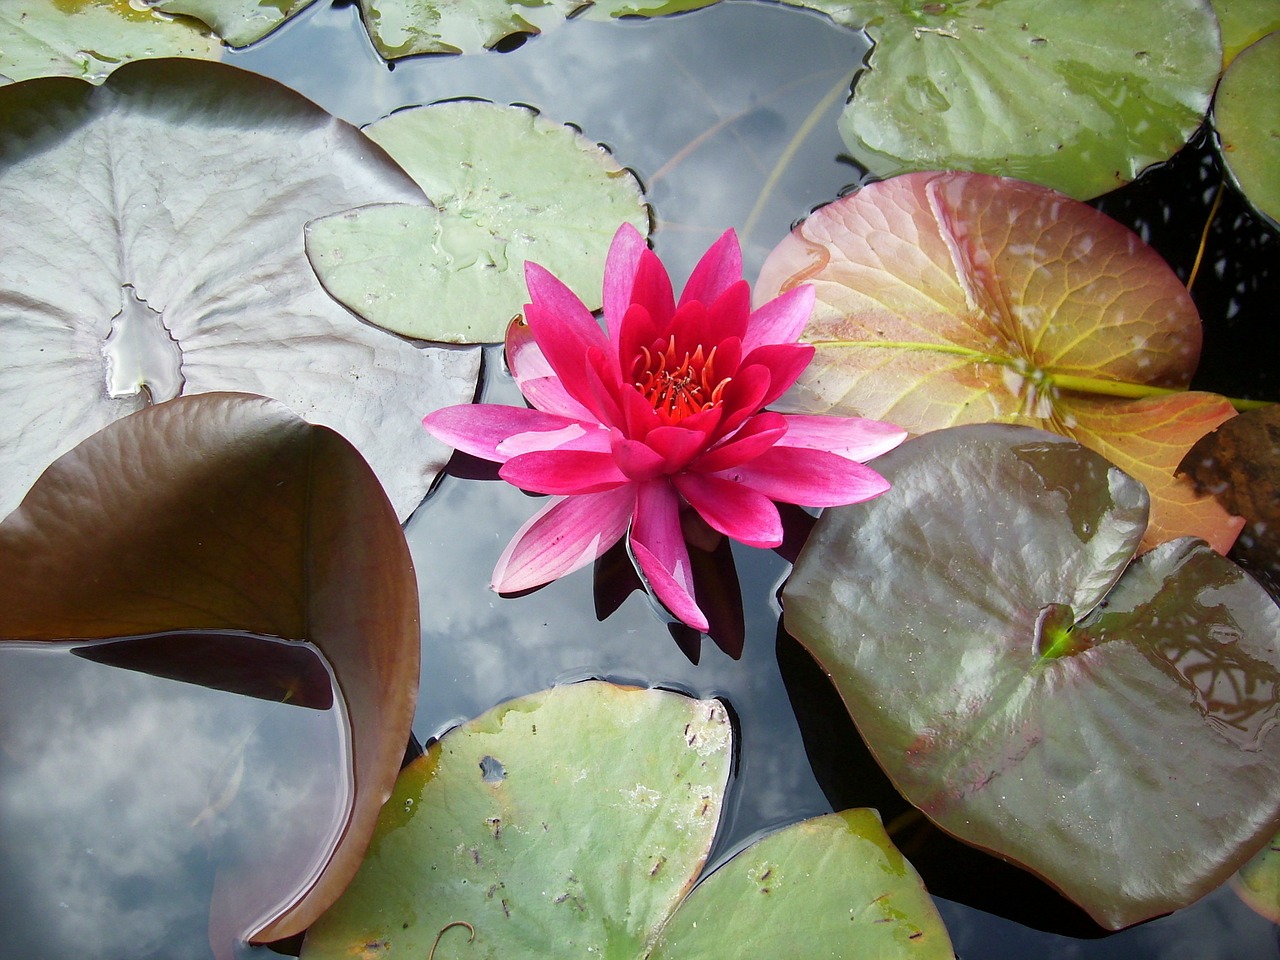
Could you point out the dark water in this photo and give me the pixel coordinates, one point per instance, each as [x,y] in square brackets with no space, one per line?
[131,800]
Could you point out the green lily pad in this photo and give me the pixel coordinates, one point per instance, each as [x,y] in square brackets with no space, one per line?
[404,28]
[1015,671]
[1246,114]
[184,237]
[228,512]
[90,38]
[613,9]
[948,298]
[508,186]
[1243,22]
[1258,882]
[1075,95]
[573,822]
[238,22]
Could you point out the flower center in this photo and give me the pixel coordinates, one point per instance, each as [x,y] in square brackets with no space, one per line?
[678,385]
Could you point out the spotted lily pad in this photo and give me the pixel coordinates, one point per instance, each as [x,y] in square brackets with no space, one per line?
[508,186]
[404,28]
[1016,672]
[948,298]
[150,247]
[90,38]
[227,512]
[573,823]
[238,22]
[1076,95]
[1246,114]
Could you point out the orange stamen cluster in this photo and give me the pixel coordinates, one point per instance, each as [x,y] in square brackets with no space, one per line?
[679,387]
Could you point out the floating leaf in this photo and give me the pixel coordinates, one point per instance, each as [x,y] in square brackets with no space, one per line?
[1243,22]
[404,28]
[90,38]
[1239,463]
[238,22]
[1075,95]
[1258,882]
[613,9]
[151,247]
[508,186]
[1246,114]
[572,823]
[1108,723]
[227,512]
[947,298]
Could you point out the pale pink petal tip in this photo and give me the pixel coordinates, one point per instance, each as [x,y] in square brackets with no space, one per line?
[566,534]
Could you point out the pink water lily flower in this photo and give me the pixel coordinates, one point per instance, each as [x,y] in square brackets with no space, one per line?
[658,412]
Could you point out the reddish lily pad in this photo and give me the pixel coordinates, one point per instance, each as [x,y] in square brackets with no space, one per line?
[1016,672]
[184,237]
[949,298]
[1076,95]
[228,512]
[573,823]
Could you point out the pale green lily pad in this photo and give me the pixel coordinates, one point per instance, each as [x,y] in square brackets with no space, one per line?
[1076,95]
[1247,116]
[613,9]
[90,38]
[404,28]
[1015,670]
[507,185]
[573,822]
[1244,22]
[238,22]
[1258,882]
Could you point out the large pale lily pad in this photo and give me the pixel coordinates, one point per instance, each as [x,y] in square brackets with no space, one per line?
[1246,115]
[574,821]
[1076,95]
[508,186]
[228,512]
[152,245]
[238,22]
[948,298]
[1244,22]
[403,28]
[1108,723]
[90,38]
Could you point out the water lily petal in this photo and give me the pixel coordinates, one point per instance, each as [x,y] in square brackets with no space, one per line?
[743,397]
[781,320]
[636,459]
[730,313]
[534,376]
[620,275]
[677,446]
[652,289]
[568,533]
[810,478]
[690,329]
[638,332]
[786,361]
[853,438]
[481,428]
[732,508]
[658,546]
[637,413]
[565,330]
[563,472]
[719,268]
[756,436]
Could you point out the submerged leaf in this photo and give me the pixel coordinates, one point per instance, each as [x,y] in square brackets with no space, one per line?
[507,186]
[573,822]
[1076,95]
[238,22]
[1015,672]
[90,38]
[1246,115]
[948,298]
[228,512]
[152,245]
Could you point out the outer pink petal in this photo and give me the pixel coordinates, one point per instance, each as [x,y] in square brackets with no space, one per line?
[563,327]
[732,508]
[620,274]
[568,533]
[781,320]
[810,478]
[570,472]
[756,436]
[534,376]
[549,394]
[719,268]
[786,361]
[658,545]
[853,438]
[478,428]
[652,289]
